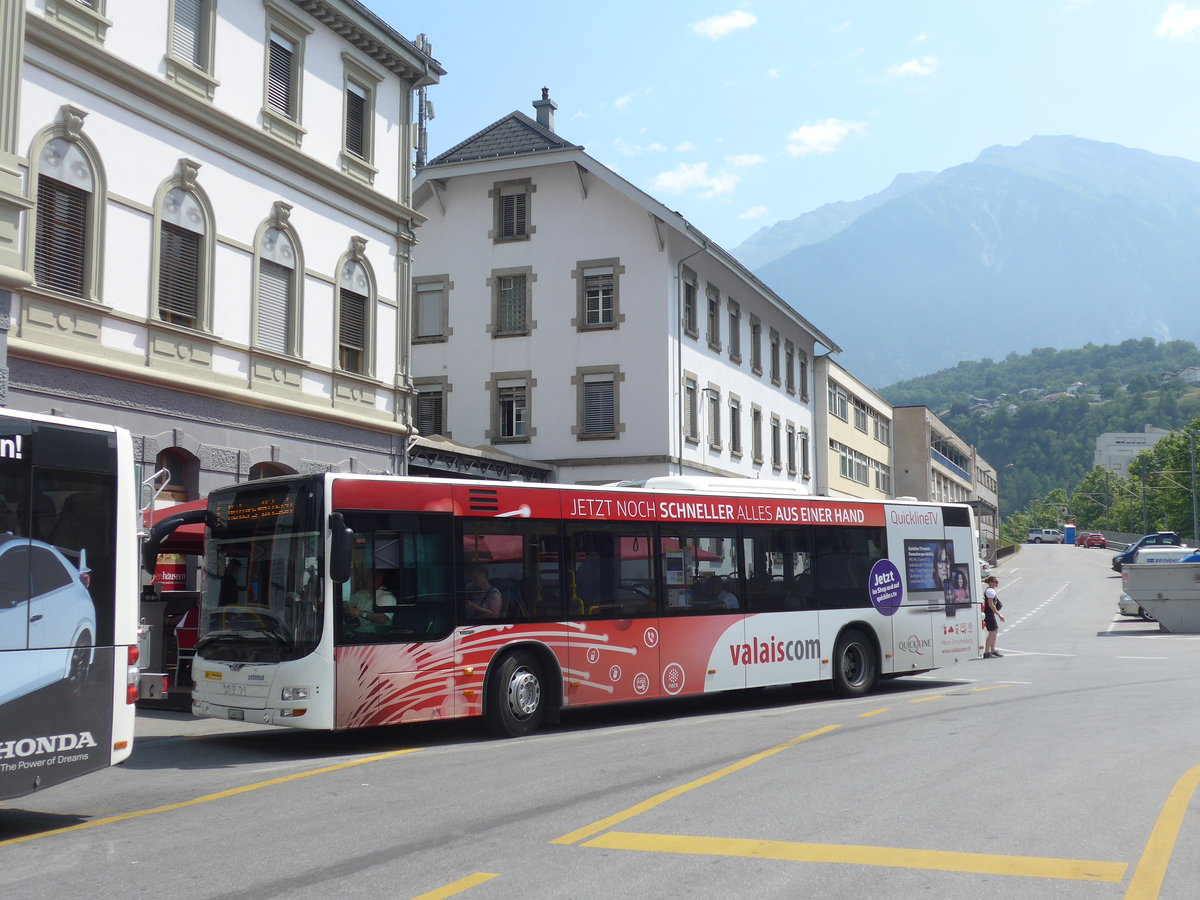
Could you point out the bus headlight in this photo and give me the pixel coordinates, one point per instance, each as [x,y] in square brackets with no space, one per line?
[292,694]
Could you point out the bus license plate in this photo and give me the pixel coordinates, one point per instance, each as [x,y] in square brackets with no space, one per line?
[239,714]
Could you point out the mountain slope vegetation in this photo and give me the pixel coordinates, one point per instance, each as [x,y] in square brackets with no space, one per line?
[1041,412]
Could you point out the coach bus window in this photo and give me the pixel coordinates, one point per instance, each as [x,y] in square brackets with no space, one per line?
[843,559]
[611,571]
[779,570]
[401,579]
[702,569]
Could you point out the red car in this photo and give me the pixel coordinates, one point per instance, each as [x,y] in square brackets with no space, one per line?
[1081,538]
[1092,539]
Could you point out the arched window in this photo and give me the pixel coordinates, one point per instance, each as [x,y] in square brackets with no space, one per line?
[183,251]
[278,276]
[68,221]
[182,474]
[268,470]
[355,306]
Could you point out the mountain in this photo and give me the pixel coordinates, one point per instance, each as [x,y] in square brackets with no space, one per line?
[1059,242]
[770,243]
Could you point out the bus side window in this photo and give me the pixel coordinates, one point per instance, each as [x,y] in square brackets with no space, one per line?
[610,570]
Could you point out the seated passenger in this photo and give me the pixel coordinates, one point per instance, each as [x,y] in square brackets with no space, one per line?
[716,594]
[361,607]
[483,599]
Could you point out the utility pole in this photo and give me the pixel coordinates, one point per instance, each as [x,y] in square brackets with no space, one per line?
[1195,526]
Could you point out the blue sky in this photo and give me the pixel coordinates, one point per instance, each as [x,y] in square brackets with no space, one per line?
[741,114]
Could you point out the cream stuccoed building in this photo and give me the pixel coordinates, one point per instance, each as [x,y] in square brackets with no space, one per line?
[206,228]
[563,315]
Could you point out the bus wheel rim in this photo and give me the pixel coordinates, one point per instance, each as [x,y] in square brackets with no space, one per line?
[524,693]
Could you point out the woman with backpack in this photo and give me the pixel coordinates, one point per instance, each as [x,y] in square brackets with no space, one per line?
[991,612]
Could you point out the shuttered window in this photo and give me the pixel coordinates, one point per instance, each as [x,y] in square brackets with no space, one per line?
[431,412]
[598,296]
[60,243]
[510,304]
[187,35]
[514,212]
[690,413]
[179,276]
[599,407]
[281,75]
[352,332]
[714,419]
[431,304]
[274,306]
[735,426]
[356,120]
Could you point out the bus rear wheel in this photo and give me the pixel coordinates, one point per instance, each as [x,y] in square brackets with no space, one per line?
[855,670]
[516,697]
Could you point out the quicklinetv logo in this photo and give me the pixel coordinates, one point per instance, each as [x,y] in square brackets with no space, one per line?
[773,650]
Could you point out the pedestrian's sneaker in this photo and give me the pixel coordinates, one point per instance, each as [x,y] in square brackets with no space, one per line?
[997,653]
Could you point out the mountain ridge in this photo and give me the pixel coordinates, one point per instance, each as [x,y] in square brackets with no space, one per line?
[1060,240]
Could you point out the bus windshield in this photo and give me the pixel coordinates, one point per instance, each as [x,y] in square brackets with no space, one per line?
[261,599]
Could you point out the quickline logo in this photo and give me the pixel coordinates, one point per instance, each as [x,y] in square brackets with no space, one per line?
[774,650]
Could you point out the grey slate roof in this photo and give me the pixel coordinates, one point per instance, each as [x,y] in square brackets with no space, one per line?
[514,135]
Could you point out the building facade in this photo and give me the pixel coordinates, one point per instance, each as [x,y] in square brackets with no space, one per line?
[563,315]
[1116,449]
[217,229]
[854,458]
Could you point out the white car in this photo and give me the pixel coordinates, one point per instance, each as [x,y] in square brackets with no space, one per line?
[1130,607]
[44,606]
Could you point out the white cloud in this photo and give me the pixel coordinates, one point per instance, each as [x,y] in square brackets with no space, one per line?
[920,38]
[741,160]
[625,148]
[774,72]
[754,212]
[685,147]
[821,137]
[1179,23]
[716,27]
[845,26]
[687,177]
[926,65]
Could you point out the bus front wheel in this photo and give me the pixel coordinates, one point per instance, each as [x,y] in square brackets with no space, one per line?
[855,670]
[516,697]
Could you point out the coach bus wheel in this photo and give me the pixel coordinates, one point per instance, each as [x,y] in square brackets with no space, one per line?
[854,669]
[80,664]
[516,701]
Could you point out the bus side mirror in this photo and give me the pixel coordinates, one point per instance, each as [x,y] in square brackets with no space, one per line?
[340,545]
[160,532]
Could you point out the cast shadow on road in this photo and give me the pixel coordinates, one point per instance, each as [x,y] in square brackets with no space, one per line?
[181,742]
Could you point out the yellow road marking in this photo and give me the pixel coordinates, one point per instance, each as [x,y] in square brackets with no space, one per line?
[457,887]
[895,857]
[658,799]
[873,712]
[990,687]
[1152,867]
[207,798]
[927,699]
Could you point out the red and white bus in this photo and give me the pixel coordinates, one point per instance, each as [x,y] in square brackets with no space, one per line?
[342,601]
[68,599]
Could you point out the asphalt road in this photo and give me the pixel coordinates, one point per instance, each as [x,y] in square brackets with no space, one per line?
[1066,769]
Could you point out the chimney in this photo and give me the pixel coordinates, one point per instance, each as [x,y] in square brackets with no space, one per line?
[545,110]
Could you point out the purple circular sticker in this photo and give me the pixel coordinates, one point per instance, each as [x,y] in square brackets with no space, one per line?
[886,589]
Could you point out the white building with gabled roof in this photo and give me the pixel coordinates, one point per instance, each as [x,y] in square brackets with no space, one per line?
[562,314]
